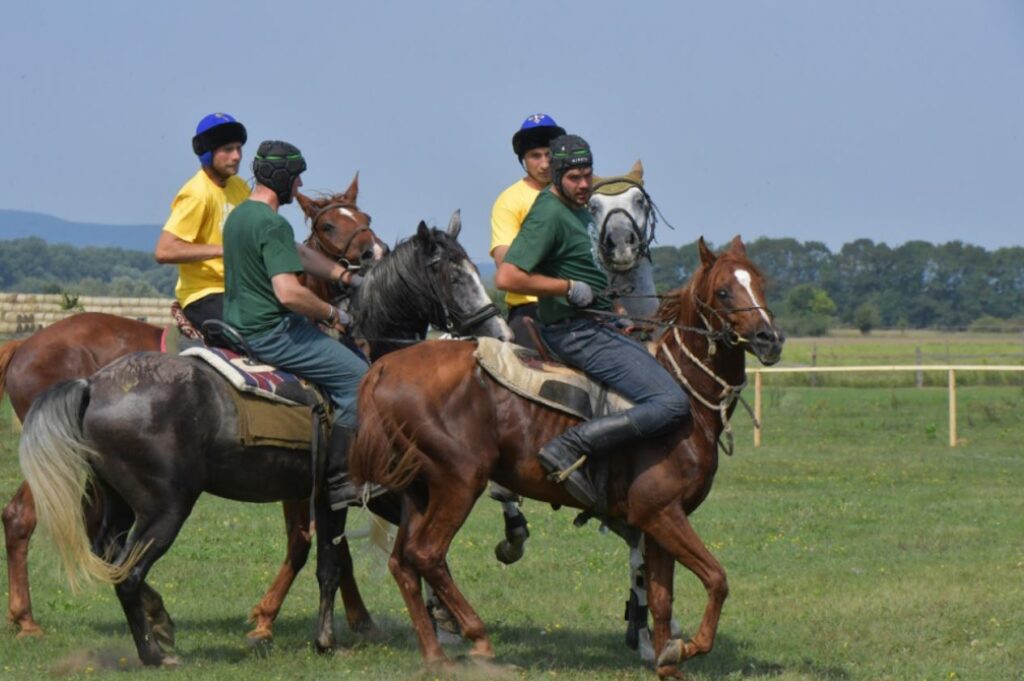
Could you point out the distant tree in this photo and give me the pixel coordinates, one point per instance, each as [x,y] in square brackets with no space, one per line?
[807,311]
[867,317]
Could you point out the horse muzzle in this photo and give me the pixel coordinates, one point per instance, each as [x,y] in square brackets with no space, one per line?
[766,344]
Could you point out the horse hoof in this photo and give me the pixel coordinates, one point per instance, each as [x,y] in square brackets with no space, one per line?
[30,630]
[507,552]
[671,654]
[170,662]
[259,639]
[670,672]
[645,646]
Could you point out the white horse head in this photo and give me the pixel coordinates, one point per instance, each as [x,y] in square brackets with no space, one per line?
[623,215]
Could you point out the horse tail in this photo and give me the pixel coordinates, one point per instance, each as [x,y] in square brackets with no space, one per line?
[6,354]
[55,460]
[382,454]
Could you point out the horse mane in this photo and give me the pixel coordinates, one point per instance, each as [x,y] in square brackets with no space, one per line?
[397,297]
[679,305]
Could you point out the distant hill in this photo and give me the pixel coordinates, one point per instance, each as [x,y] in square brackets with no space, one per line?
[17,224]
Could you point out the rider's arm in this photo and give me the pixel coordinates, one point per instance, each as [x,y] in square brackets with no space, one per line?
[173,249]
[511,278]
[321,266]
[298,298]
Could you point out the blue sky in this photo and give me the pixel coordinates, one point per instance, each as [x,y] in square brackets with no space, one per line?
[892,120]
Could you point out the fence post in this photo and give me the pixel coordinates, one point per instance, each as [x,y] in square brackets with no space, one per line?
[920,361]
[814,363]
[952,407]
[757,409]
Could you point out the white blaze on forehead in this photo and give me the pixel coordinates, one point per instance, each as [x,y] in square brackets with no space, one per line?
[378,250]
[346,212]
[744,278]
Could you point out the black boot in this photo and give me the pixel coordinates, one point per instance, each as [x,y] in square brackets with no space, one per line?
[340,490]
[599,437]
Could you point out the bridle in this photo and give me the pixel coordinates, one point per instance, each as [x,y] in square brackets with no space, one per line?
[455,323]
[650,217]
[323,245]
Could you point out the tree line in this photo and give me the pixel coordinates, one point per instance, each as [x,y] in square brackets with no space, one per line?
[864,285]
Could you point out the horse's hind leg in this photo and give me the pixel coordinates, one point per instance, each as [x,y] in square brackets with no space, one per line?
[671,536]
[425,549]
[296,524]
[19,517]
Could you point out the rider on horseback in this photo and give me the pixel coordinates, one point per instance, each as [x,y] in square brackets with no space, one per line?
[552,257]
[265,302]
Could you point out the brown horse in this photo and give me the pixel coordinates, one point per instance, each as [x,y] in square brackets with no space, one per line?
[435,426]
[76,347]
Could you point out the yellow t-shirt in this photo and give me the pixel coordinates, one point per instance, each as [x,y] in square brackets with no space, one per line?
[507,217]
[197,216]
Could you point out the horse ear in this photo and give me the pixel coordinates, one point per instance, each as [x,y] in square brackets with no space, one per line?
[352,193]
[309,207]
[707,258]
[637,171]
[455,224]
[422,231]
[736,246]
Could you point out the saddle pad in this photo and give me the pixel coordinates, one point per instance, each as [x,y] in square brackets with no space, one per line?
[269,424]
[258,379]
[552,384]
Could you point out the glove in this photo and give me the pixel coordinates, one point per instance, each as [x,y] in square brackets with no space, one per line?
[338,317]
[355,281]
[579,294]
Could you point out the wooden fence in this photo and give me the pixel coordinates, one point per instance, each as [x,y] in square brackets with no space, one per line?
[950,370]
[24,313]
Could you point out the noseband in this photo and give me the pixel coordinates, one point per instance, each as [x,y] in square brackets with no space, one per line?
[728,333]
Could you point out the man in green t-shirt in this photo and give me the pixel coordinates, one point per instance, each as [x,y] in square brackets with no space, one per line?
[265,302]
[552,257]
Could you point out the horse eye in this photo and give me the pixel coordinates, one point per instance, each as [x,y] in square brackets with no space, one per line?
[723,293]
[328,227]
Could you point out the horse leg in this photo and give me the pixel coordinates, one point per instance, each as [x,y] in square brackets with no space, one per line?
[153,534]
[517,529]
[409,585]
[670,534]
[330,559]
[426,548]
[296,524]
[19,517]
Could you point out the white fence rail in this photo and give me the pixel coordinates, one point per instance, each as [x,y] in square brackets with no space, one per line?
[950,370]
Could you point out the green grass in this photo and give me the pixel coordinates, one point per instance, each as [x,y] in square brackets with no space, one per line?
[858,546]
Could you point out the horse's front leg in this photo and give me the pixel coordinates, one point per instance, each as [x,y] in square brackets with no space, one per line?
[19,517]
[329,525]
[672,536]
[296,524]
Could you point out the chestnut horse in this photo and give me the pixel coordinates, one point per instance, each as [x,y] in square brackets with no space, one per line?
[78,346]
[437,427]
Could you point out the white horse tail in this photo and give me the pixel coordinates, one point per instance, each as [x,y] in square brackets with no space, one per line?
[55,461]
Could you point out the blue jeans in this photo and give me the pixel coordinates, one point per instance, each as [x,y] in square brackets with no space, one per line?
[625,366]
[297,346]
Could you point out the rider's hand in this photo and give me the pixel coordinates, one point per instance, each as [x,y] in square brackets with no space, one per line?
[625,325]
[355,281]
[579,294]
[338,318]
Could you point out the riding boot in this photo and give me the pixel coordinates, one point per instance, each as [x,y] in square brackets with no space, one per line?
[599,437]
[340,490]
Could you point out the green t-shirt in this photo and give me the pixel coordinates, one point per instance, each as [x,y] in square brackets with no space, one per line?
[258,244]
[554,241]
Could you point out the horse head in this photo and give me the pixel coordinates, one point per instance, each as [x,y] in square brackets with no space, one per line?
[729,292]
[624,218]
[427,279]
[341,231]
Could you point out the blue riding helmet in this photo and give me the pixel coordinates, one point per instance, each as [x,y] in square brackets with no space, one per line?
[536,131]
[214,131]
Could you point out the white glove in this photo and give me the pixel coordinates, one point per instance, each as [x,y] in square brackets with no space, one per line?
[355,281]
[338,316]
[579,294]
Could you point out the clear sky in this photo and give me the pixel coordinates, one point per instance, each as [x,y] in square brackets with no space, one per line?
[892,120]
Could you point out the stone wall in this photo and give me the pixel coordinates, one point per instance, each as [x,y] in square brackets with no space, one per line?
[24,313]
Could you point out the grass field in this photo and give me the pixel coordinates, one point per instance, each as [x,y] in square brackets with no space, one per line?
[858,546]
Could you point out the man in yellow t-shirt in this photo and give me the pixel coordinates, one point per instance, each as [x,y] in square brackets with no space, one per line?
[192,237]
[530,144]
